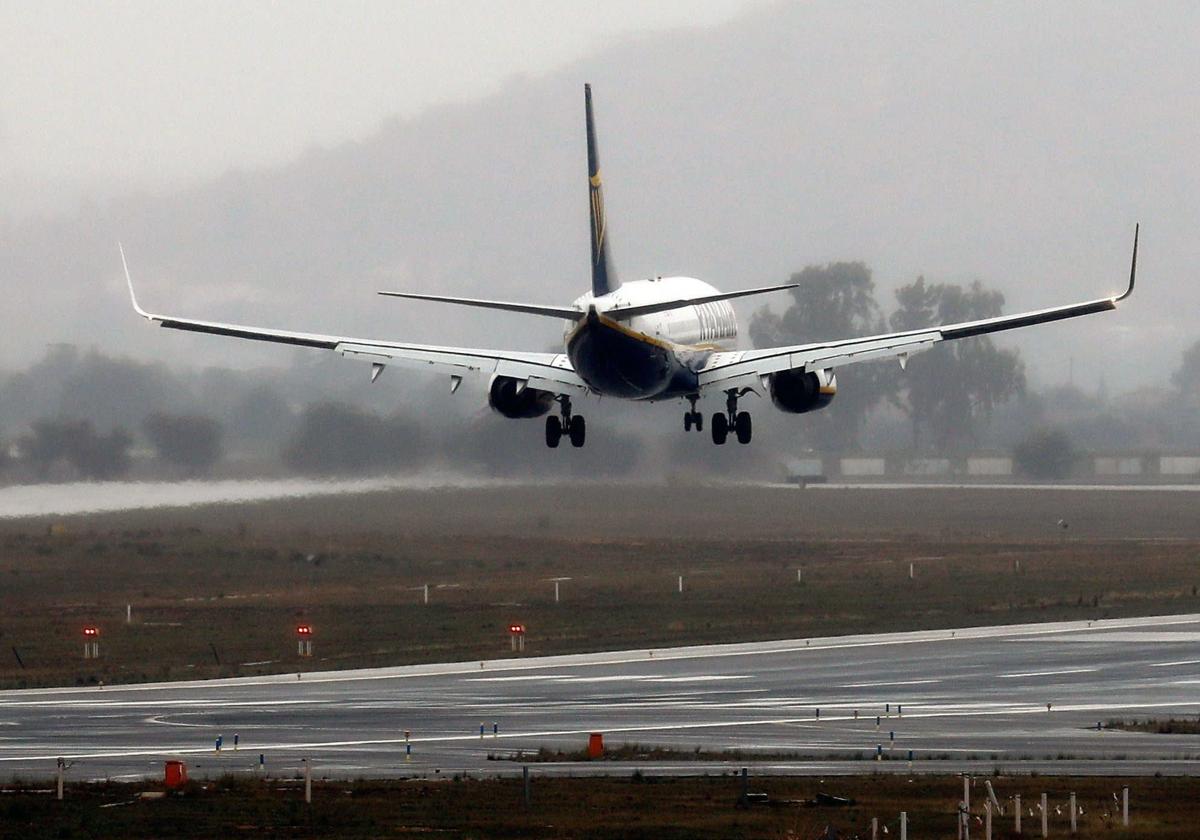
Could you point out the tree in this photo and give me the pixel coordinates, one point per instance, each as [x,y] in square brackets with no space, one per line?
[833,301]
[76,443]
[1187,377]
[1047,453]
[952,389]
[335,438]
[189,441]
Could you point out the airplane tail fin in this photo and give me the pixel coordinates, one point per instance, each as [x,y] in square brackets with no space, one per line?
[604,279]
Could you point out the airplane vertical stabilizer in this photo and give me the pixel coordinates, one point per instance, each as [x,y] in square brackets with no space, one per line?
[604,279]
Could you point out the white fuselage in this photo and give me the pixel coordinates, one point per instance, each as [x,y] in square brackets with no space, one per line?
[708,326]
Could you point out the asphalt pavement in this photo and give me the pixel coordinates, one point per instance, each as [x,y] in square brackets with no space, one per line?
[1022,698]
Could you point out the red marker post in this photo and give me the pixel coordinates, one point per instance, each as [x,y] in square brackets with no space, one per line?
[304,645]
[516,634]
[91,642]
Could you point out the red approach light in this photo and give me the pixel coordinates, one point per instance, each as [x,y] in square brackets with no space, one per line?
[303,630]
[516,629]
[91,631]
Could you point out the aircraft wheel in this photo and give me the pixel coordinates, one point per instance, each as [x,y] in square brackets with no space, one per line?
[553,431]
[720,429]
[744,427]
[687,421]
[699,422]
[578,431]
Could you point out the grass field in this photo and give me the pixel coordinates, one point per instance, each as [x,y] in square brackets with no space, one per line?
[636,806]
[218,590]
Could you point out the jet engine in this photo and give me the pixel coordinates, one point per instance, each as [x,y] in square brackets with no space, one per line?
[507,396]
[800,391]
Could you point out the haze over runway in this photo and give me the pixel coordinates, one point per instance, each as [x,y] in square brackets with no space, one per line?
[1022,697]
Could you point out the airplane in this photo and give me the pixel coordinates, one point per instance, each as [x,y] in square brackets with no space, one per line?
[666,338]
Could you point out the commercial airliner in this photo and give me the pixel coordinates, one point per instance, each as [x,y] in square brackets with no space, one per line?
[668,338]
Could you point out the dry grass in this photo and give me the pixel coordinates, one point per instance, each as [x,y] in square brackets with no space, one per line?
[218,591]
[633,807]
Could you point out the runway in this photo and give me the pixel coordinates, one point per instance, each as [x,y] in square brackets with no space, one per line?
[973,698]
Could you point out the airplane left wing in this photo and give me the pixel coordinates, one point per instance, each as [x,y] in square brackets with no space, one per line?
[750,368]
[545,371]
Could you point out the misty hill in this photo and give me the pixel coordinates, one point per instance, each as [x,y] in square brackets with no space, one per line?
[946,142]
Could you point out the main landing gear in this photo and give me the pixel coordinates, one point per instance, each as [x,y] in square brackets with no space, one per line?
[732,420]
[573,426]
[693,419]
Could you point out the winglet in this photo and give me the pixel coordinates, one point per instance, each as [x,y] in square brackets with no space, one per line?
[1132,265]
[129,282]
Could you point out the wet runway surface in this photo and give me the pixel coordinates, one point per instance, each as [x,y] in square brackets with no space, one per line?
[969,698]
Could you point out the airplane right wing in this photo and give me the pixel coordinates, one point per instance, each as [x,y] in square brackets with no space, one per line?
[749,369]
[544,371]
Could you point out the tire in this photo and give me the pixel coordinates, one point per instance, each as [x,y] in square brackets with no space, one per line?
[687,421]
[578,431]
[744,427]
[553,431]
[699,421]
[720,429]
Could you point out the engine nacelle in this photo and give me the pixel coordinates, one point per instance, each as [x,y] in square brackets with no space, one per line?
[506,397]
[800,391]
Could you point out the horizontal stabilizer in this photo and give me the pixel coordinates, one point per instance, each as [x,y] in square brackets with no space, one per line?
[664,306]
[528,308]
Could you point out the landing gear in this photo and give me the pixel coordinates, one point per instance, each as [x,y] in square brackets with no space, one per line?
[693,419]
[743,427]
[720,429]
[573,426]
[732,420]
[578,431]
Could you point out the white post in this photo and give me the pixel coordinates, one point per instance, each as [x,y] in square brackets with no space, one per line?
[987,820]
[61,766]
[874,828]
[799,574]
[681,583]
[307,780]
[426,588]
[556,592]
[1045,817]
[129,613]
[1072,812]
[910,571]
[1017,808]
[966,792]
[1125,807]
[904,825]
[991,792]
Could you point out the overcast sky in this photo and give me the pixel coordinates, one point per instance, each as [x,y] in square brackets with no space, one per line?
[1011,142]
[154,93]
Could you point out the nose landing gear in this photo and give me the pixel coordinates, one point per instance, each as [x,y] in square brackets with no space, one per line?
[573,426]
[732,420]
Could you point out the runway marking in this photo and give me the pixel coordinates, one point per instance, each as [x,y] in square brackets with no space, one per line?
[1172,664]
[516,678]
[1103,488]
[891,682]
[212,705]
[1046,673]
[1130,637]
[698,678]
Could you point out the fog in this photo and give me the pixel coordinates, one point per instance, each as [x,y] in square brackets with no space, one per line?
[277,166]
